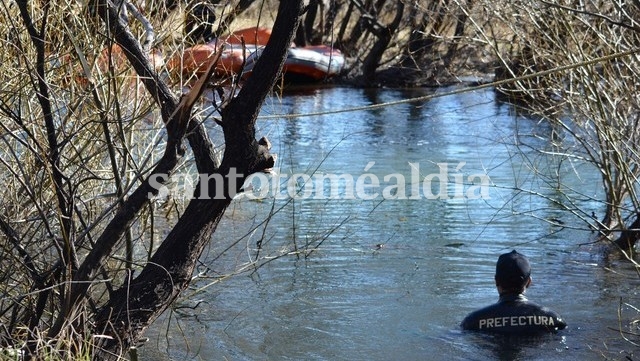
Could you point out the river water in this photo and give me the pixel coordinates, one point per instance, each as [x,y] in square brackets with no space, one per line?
[391,279]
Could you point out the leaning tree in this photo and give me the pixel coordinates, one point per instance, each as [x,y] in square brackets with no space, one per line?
[88,122]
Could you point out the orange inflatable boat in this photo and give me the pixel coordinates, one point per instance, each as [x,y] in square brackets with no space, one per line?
[241,49]
[235,49]
[305,64]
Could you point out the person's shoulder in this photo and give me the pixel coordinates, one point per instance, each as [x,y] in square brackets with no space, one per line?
[539,309]
[471,321]
[559,321]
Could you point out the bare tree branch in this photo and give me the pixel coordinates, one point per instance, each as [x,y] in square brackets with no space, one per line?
[596,15]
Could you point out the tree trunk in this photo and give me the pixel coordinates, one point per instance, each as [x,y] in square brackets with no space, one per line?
[384,34]
[461,23]
[629,237]
[424,33]
[132,308]
[350,44]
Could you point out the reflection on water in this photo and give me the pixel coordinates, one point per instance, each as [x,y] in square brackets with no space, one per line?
[506,348]
[392,279]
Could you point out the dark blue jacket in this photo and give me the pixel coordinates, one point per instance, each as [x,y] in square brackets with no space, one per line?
[514,314]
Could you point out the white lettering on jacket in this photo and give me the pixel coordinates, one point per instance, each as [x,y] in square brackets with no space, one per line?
[515,321]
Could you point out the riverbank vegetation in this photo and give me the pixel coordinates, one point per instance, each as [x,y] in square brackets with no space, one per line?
[89,113]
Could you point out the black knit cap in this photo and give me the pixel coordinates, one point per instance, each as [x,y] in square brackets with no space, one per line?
[512,270]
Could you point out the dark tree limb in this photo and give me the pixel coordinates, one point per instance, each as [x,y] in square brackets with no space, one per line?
[43,94]
[132,308]
[159,90]
[630,236]
[64,203]
[384,34]
[227,20]
[176,117]
[424,33]
[461,23]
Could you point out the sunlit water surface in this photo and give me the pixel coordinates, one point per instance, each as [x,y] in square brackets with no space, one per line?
[391,279]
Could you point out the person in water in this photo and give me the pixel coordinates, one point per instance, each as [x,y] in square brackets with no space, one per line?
[513,314]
